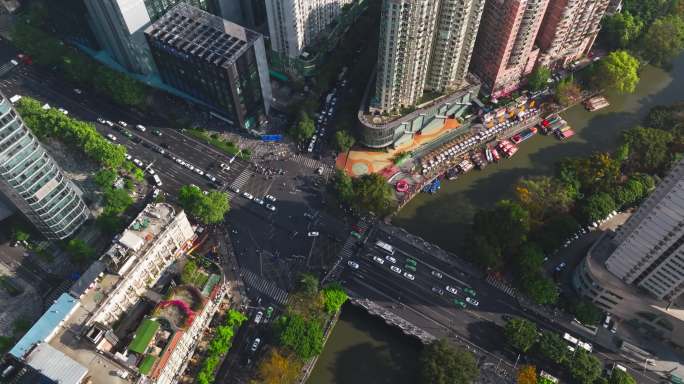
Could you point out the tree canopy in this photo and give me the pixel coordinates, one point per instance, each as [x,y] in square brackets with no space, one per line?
[208,209]
[527,374]
[441,363]
[664,40]
[553,347]
[544,197]
[79,251]
[538,79]
[343,140]
[568,91]
[303,337]
[541,289]
[584,367]
[334,297]
[369,192]
[521,334]
[278,368]
[648,148]
[621,30]
[618,70]
[498,231]
[597,206]
[621,377]
[304,129]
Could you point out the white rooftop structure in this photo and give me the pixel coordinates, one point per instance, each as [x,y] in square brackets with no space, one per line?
[56,365]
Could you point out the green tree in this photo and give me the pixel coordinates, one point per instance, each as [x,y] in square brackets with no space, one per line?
[585,311]
[541,289]
[343,141]
[105,178]
[629,193]
[116,201]
[308,284]
[521,334]
[544,197]
[441,363]
[618,70]
[621,377]
[121,88]
[208,209]
[664,40]
[568,92]
[372,193]
[79,251]
[584,368]
[344,186]
[555,231]
[530,259]
[304,129]
[538,79]
[621,30]
[334,297]
[553,347]
[661,116]
[596,207]
[20,235]
[649,148]
[484,253]
[303,337]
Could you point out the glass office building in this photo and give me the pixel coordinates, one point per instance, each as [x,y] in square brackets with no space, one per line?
[218,62]
[33,182]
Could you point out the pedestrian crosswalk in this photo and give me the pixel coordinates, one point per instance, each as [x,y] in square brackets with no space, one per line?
[500,285]
[311,163]
[242,179]
[264,286]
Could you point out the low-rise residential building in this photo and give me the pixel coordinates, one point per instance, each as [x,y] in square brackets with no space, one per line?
[132,316]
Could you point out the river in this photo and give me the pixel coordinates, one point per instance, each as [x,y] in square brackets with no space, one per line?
[362,349]
[442,218]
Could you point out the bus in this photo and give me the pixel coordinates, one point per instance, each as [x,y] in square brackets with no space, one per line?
[385,247]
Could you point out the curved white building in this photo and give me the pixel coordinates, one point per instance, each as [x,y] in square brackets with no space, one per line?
[33,182]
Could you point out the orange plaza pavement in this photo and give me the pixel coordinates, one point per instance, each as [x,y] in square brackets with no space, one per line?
[358,161]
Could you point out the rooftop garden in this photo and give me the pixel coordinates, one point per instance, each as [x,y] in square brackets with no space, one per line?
[143,336]
[180,307]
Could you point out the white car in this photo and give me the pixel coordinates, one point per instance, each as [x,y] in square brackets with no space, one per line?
[111,137]
[258,201]
[379,260]
[128,157]
[257,318]
[451,289]
[101,120]
[472,301]
[247,195]
[255,345]
[396,269]
[390,259]
[122,123]
[210,177]
[436,274]
[138,163]
[270,197]
[409,276]
[224,166]
[64,111]
[353,264]
[109,123]
[438,291]
[150,171]
[313,234]
[270,207]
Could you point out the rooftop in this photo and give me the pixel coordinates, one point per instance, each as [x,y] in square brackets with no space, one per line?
[188,31]
[56,365]
[46,326]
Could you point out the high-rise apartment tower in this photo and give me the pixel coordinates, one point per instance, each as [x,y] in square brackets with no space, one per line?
[32,181]
[569,30]
[504,50]
[424,45]
[295,24]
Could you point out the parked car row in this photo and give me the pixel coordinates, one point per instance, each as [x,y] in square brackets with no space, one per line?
[265,202]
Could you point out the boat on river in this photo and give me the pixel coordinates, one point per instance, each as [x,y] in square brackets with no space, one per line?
[524,135]
[488,154]
[509,149]
[595,103]
[465,166]
[477,158]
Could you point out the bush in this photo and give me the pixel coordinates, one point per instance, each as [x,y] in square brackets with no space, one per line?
[303,337]
[334,297]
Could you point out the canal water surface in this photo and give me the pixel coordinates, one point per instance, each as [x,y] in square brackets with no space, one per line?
[364,350]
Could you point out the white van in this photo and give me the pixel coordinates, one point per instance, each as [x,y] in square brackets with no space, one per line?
[140,128]
[15,98]
[157,180]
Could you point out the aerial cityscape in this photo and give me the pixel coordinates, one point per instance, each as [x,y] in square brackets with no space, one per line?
[342,191]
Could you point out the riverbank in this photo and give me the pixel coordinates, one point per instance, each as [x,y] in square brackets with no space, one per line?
[443,218]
